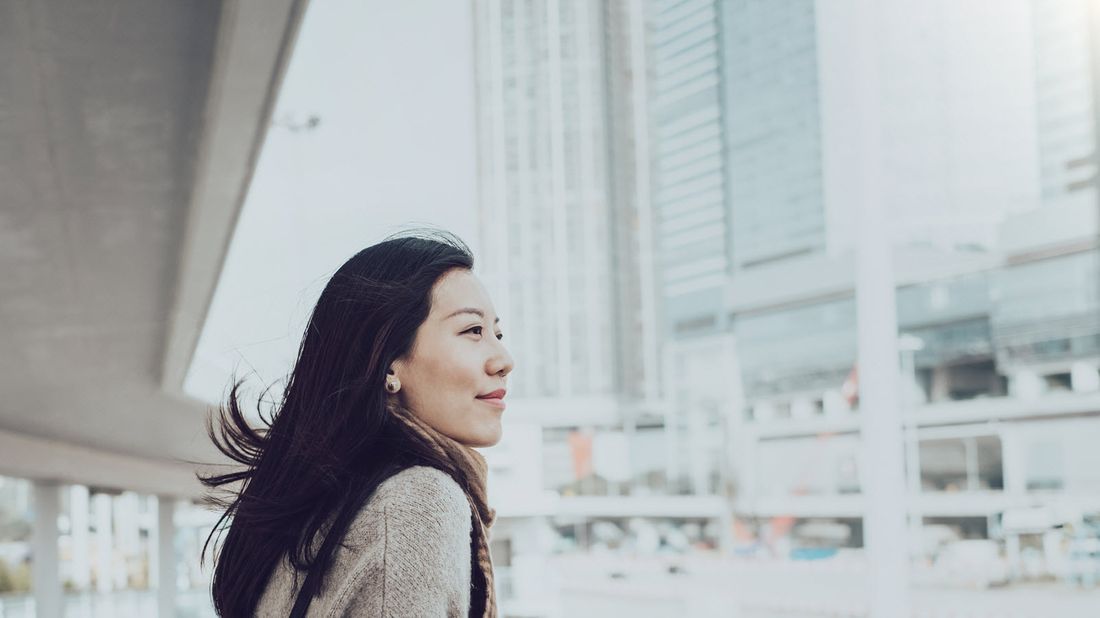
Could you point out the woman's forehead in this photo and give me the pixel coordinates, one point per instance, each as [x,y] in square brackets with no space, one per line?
[461,293]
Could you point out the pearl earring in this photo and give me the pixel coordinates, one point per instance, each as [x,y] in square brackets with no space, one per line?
[394,386]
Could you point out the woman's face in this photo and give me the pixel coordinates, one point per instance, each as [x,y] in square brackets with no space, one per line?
[457,357]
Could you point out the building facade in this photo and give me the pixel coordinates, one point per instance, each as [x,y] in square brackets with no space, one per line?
[997,299]
[667,216]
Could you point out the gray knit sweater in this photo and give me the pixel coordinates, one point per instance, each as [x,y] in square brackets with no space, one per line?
[407,553]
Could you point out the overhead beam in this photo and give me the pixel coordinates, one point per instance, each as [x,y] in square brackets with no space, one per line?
[255,41]
[43,460]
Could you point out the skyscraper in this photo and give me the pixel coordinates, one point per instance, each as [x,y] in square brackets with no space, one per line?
[773,130]
[562,238]
[1066,110]
[690,213]
[566,243]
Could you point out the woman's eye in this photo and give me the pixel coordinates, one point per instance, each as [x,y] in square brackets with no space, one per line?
[477,331]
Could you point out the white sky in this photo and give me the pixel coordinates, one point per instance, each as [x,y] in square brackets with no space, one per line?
[393,85]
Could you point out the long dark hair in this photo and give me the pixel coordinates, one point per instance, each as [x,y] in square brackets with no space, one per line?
[331,440]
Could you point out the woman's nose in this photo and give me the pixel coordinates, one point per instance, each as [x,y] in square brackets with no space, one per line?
[501,363]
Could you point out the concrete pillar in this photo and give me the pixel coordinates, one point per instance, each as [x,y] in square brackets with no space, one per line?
[1013,456]
[941,384]
[802,408]
[1053,555]
[126,522]
[532,539]
[45,572]
[973,480]
[1084,378]
[127,536]
[763,411]
[630,428]
[882,470]
[726,542]
[1012,554]
[1026,384]
[164,562]
[101,503]
[697,460]
[834,404]
[914,488]
[883,478]
[672,411]
[78,516]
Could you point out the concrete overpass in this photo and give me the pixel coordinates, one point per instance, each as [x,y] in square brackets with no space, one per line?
[129,131]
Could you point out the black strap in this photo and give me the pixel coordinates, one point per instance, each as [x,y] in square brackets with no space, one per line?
[305,595]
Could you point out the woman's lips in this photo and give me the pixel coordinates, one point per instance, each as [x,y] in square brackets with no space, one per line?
[496,402]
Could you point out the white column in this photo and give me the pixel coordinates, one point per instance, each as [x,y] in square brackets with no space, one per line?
[726,541]
[1084,377]
[802,408]
[882,471]
[914,488]
[78,515]
[1026,384]
[46,580]
[834,404]
[127,536]
[883,478]
[973,481]
[735,487]
[672,410]
[909,346]
[126,522]
[165,561]
[1012,554]
[532,540]
[697,450]
[101,503]
[1013,445]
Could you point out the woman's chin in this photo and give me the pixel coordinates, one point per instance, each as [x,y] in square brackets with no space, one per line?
[485,439]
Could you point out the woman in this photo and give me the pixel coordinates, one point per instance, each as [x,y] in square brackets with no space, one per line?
[363,495]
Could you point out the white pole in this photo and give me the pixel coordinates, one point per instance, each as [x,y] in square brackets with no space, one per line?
[910,345]
[166,557]
[45,566]
[105,545]
[973,481]
[78,515]
[882,472]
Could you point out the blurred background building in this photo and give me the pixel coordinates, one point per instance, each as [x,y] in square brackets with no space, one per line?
[663,198]
[989,182]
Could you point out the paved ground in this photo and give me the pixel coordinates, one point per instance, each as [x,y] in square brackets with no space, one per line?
[706,589]
[788,590]
[122,604]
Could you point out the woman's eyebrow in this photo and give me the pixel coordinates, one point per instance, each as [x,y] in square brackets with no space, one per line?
[477,312]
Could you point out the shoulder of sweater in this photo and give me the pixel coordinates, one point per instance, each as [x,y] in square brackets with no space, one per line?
[421,490]
[411,557]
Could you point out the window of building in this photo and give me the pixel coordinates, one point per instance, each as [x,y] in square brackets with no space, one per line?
[972,463]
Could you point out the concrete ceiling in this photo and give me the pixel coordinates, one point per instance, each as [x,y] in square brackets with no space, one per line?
[128,133]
